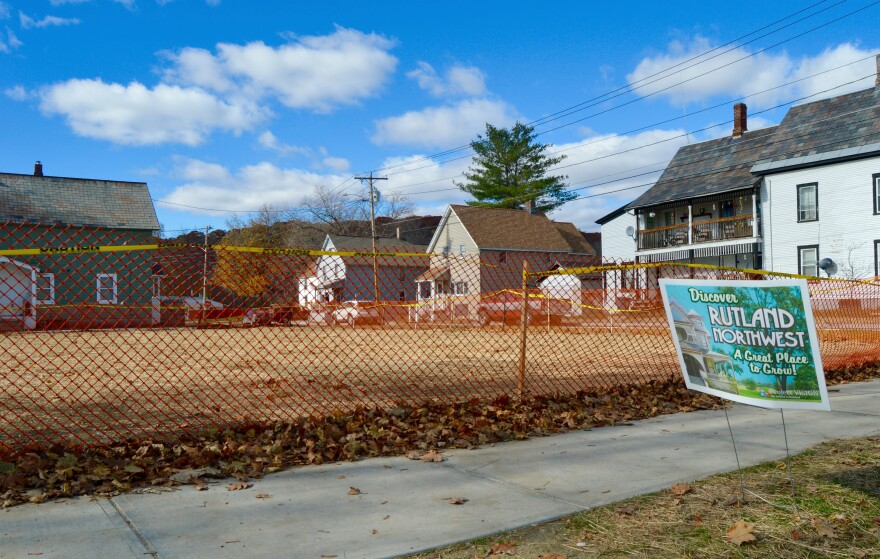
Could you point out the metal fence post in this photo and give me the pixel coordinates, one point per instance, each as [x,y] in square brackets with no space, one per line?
[523,325]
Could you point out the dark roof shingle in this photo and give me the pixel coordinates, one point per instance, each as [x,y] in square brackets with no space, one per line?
[712,167]
[842,122]
[502,228]
[77,202]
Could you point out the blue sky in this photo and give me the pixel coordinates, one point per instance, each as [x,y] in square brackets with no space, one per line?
[227,105]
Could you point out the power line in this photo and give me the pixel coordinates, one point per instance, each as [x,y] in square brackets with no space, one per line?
[605,97]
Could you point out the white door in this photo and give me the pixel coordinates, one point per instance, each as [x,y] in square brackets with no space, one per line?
[15,289]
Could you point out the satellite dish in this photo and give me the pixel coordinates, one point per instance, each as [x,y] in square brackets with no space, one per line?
[828,266]
[631,232]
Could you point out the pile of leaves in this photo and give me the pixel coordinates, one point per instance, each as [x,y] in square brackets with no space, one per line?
[250,451]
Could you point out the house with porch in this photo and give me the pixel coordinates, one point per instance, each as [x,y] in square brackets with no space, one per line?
[802,197]
[335,278]
[67,283]
[477,252]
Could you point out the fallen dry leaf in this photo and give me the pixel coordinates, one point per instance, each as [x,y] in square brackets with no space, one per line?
[681,489]
[432,456]
[795,535]
[501,548]
[551,556]
[741,532]
[374,531]
[823,528]
[238,486]
[733,501]
[340,476]
[329,556]
[199,484]
[263,496]
[457,500]
[354,491]
[625,511]
[697,519]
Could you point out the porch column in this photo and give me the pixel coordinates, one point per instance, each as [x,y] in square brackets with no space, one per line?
[754,214]
[690,223]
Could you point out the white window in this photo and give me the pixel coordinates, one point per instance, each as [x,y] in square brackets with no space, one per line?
[106,289]
[808,202]
[877,193]
[460,288]
[462,249]
[808,260]
[46,289]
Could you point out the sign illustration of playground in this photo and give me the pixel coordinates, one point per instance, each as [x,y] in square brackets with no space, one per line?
[752,342]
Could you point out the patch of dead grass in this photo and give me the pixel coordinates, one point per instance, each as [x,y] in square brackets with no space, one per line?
[836,513]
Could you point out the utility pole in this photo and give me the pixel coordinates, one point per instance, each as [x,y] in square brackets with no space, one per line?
[371,178]
[204,277]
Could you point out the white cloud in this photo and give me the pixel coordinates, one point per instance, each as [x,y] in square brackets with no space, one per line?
[459,80]
[212,2]
[198,67]
[338,164]
[63,2]
[249,188]
[11,43]
[311,72]
[730,77]
[16,93]
[446,126]
[268,140]
[137,115]
[130,4]
[609,170]
[28,22]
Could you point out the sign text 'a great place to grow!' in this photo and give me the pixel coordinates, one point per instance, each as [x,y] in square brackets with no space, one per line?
[752,342]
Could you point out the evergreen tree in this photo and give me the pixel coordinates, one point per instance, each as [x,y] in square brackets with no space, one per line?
[510,168]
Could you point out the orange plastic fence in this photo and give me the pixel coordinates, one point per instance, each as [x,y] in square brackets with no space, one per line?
[110,334]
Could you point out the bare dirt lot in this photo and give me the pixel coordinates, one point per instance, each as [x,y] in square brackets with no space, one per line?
[101,386]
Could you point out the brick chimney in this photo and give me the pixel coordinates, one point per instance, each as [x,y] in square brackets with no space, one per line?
[877,79]
[529,206]
[38,169]
[740,116]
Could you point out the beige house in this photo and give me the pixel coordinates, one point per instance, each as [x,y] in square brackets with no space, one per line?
[477,252]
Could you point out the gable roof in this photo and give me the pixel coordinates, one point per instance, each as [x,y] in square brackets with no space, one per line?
[512,229]
[78,202]
[346,243]
[712,167]
[830,129]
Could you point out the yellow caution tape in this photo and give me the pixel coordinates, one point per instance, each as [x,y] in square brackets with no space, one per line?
[83,249]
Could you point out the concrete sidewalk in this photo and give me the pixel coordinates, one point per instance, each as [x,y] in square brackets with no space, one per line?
[403,506]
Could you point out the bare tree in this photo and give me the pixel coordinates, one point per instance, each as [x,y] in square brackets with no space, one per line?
[854,267]
[345,214]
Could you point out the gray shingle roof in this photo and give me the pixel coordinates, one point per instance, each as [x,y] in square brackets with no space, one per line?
[78,202]
[707,168]
[509,229]
[835,124]
[345,243]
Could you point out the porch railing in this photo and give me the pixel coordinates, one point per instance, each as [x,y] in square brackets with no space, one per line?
[710,230]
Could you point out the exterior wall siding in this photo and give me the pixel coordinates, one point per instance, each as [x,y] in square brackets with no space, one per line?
[616,244]
[75,298]
[453,236]
[847,226]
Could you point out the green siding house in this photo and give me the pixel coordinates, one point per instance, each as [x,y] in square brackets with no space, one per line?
[69,284]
